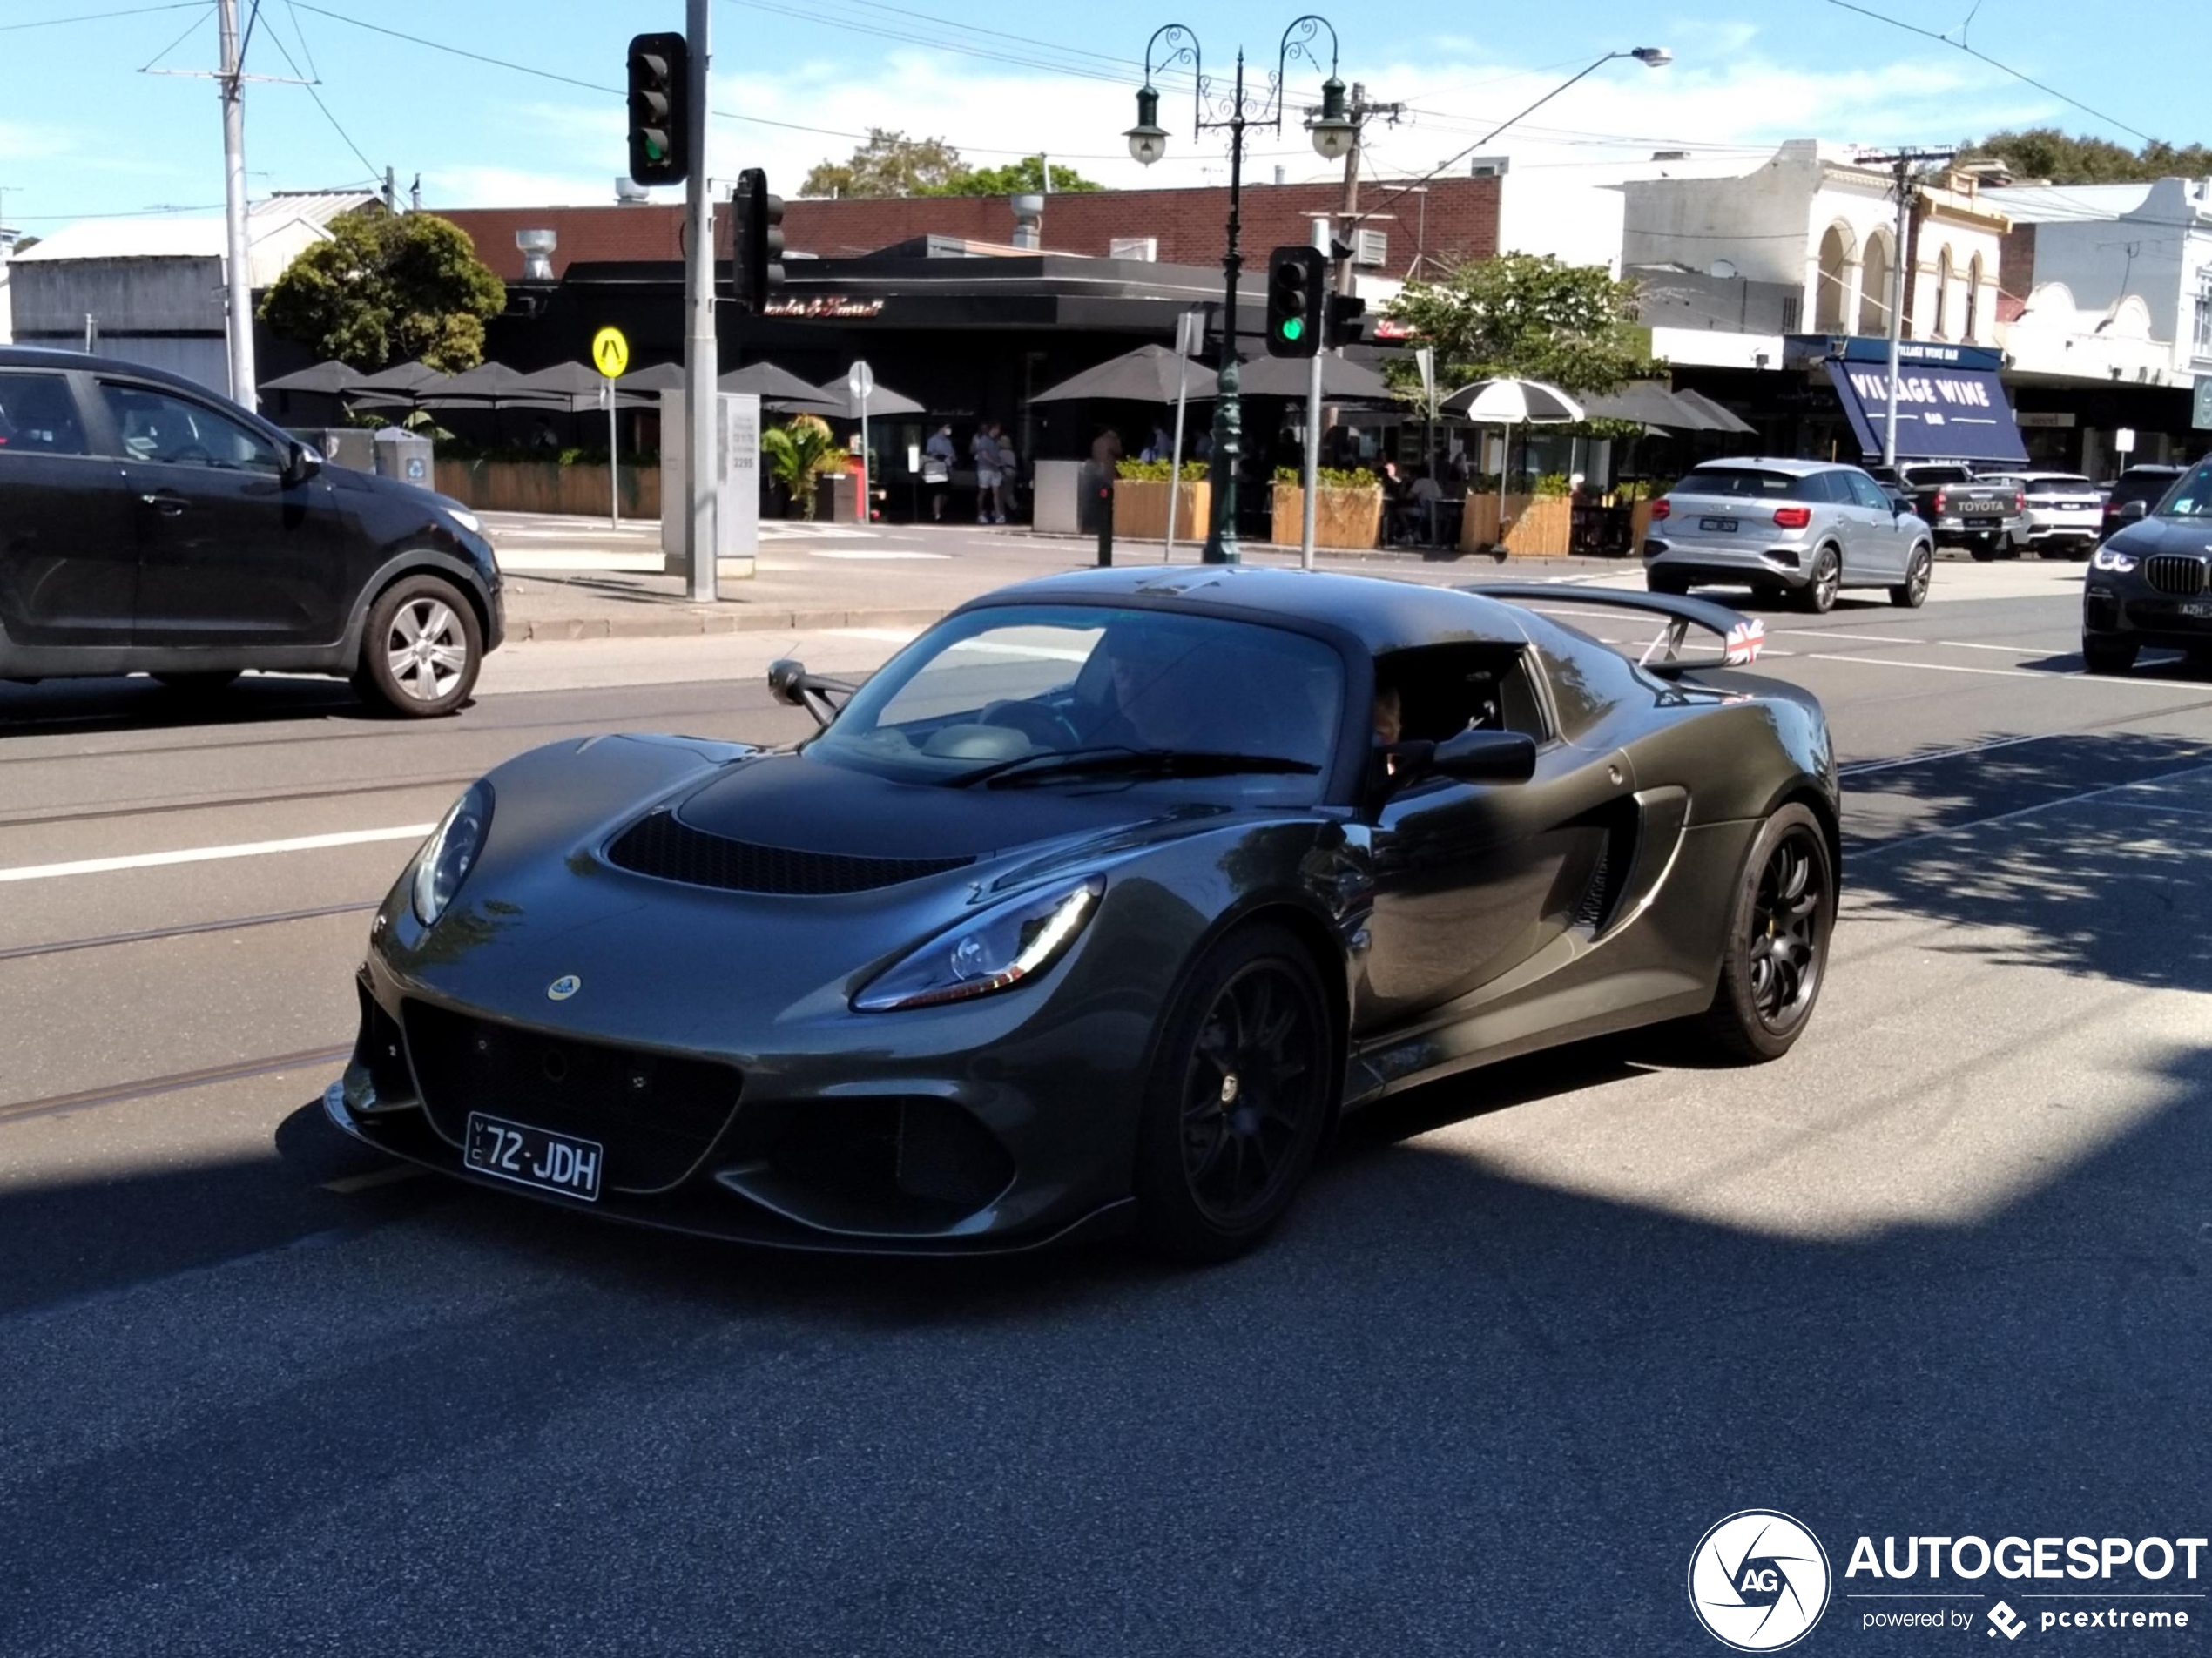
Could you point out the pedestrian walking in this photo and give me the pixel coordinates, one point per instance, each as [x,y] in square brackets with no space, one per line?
[937,458]
[983,449]
[1009,472]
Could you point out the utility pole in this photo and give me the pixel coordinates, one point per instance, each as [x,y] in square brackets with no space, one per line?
[232,83]
[1901,164]
[1360,110]
[702,408]
[391,192]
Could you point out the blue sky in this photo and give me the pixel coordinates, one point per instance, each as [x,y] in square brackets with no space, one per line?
[83,130]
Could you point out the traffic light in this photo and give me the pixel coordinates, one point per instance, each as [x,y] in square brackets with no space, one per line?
[660,109]
[757,248]
[1344,312]
[1296,286]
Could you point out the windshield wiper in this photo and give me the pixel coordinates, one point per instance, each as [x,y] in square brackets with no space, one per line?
[1120,760]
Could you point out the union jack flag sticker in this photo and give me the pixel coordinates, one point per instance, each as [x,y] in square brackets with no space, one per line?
[1745,640]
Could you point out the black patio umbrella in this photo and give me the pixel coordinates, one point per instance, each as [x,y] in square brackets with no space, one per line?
[1149,374]
[881,402]
[398,387]
[1342,380]
[661,377]
[767,379]
[329,379]
[1722,420]
[1646,403]
[582,387]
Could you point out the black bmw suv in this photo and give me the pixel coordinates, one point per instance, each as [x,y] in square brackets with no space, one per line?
[2151,583]
[148,525]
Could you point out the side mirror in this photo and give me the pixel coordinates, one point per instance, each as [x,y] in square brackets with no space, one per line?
[303,464]
[790,683]
[2135,512]
[1470,756]
[786,676]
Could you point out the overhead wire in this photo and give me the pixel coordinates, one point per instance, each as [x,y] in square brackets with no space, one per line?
[96,17]
[307,85]
[195,23]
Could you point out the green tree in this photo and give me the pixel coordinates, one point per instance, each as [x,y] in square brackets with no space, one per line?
[1527,314]
[889,164]
[389,288]
[2046,152]
[799,452]
[1023,177]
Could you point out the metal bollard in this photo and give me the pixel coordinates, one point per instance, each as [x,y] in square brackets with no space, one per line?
[1106,524]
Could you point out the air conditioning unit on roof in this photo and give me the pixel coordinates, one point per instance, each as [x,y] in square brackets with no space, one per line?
[1371,247]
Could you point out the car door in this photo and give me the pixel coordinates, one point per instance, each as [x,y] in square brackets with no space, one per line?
[1886,541]
[68,554]
[232,551]
[1473,878]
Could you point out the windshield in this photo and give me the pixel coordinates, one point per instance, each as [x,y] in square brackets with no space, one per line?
[2192,493]
[1743,483]
[1018,682]
[1922,476]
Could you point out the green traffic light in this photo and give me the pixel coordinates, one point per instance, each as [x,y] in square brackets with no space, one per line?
[1293,328]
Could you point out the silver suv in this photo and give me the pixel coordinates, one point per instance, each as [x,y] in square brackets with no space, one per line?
[1808,529]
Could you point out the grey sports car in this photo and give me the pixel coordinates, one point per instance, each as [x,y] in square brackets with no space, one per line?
[1095,908]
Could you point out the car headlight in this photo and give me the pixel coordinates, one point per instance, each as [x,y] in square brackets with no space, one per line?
[990,952]
[450,852]
[467,520]
[2105,559]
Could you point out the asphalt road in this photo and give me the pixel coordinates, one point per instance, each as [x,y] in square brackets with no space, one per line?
[1528,1334]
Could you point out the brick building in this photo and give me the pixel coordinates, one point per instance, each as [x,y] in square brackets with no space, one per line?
[1450,221]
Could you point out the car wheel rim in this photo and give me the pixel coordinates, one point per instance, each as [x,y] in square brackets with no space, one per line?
[1920,578]
[1824,580]
[1785,930]
[1250,1092]
[427,650]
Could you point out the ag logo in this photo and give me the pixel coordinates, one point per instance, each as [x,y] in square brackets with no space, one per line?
[565,987]
[1758,1580]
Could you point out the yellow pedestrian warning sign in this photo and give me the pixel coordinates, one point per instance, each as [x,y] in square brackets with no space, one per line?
[609,353]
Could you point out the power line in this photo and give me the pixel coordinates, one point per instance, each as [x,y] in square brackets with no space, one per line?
[96,17]
[2006,69]
[179,41]
[285,52]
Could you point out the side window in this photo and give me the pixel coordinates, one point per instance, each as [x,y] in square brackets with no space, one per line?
[1440,691]
[1832,487]
[38,415]
[1869,493]
[160,427]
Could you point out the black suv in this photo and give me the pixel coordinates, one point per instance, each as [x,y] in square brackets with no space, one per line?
[2143,484]
[148,525]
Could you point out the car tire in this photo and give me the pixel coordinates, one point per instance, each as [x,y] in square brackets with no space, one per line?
[1918,570]
[1243,1085]
[1672,585]
[421,650]
[2101,654]
[1776,957]
[201,683]
[1825,581]
[2079,553]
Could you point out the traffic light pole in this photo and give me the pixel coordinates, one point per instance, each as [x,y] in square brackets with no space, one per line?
[1228,413]
[701,406]
[238,273]
[1313,426]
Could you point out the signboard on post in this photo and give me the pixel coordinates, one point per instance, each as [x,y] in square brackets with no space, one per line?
[610,356]
[2123,440]
[861,382]
[610,353]
[2200,405]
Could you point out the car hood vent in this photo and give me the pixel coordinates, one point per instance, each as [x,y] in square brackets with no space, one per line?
[663,845]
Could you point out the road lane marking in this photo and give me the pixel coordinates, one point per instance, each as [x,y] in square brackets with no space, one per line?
[1861,767]
[209,854]
[1882,848]
[1953,667]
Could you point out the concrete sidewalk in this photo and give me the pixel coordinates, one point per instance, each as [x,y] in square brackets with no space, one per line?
[579,579]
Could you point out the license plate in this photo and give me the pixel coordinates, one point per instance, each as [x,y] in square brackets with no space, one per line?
[1717,524]
[531,1156]
[2196,608]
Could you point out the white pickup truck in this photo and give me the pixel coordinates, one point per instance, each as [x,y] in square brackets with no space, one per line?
[2065,512]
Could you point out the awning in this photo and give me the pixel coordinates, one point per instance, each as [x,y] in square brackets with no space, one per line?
[1942,413]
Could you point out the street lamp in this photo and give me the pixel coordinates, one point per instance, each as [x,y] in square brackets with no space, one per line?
[1331,132]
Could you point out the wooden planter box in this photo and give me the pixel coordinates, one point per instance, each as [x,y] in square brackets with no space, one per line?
[1639,526]
[1140,509]
[1537,526]
[1349,518]
[542,486]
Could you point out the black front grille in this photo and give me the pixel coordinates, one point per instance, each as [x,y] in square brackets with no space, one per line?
[664,845]
[2175,574]
[656,1114]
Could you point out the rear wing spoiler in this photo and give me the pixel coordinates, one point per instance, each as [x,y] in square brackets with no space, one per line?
[1742,637]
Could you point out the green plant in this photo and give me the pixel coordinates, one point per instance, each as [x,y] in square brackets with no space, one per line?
[1157,471]
[1555,484]
[1328,477]
[1529,315]
[798,452]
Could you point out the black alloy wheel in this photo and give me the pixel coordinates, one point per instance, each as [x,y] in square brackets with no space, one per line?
[2105,656]
[1914,593]
[1241,1091]
[1819,592]
[1983,550]
[1778,944]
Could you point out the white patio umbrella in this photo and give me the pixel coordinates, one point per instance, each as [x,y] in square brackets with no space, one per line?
[1510,402]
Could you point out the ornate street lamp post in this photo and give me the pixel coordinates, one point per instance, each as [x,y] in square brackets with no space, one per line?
[1215,110]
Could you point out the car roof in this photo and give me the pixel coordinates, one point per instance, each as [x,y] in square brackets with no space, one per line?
[1796,469]
[1383,614]
[89,362]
